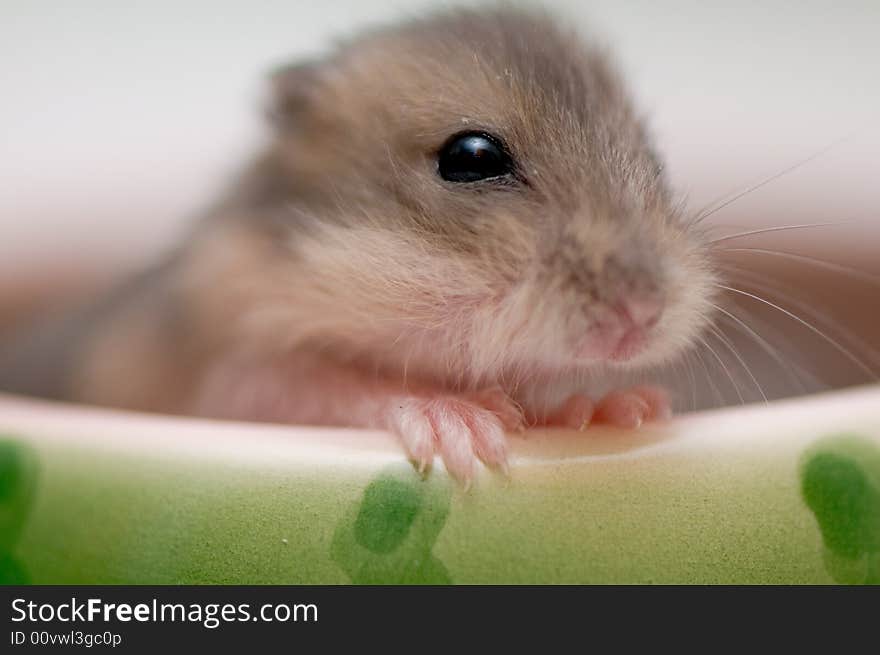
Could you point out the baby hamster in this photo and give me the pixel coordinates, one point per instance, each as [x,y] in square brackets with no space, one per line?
[459,226]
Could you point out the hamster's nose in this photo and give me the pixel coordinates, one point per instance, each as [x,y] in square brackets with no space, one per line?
[625,331]
[640,311]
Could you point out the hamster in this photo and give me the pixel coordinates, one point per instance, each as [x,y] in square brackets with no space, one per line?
[459,228]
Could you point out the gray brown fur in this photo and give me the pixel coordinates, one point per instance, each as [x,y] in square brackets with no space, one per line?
[341,238]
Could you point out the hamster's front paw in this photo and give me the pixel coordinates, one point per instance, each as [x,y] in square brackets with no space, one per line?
[626,408]
[462,430]
[505,408]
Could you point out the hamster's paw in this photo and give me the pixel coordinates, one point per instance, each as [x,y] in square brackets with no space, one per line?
[627,408]
[503,406]
[462,432]
[575,413]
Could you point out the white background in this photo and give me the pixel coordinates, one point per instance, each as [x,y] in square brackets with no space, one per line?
[118,120]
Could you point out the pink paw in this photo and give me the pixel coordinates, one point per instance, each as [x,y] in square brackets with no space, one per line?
[625,409]
[503,406]
[575,413]
[631,407]
[461,431]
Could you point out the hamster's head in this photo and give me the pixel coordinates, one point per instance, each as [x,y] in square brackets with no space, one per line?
[474,194]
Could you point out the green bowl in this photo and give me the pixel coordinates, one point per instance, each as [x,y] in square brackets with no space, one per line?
[783,493]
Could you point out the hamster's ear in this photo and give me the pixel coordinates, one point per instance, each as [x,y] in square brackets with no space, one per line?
[292,88]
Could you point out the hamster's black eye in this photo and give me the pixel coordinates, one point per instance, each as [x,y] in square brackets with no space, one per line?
[473,156]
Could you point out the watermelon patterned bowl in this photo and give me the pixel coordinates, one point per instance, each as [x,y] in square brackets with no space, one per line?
[787,492]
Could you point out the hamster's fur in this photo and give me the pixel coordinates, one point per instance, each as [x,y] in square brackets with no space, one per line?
[343,281]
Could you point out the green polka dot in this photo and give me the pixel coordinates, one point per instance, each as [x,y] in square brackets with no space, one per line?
[388,536]
[18,476]
[840,483]
[387,513]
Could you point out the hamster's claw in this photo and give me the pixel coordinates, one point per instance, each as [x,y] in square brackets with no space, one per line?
[415,431]
[459,430]
[627,408]
[507,410]
[575,413]
[631,407]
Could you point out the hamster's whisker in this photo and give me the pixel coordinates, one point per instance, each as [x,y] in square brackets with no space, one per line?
[728,199]
[820,263]
[779,228]
[840,348]
[765,345]
[693,379]
[727,343]
[725,369]
[681,373]
[786,293]
[680,368]
[709,377]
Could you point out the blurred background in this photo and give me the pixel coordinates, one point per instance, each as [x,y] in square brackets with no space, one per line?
[120,121]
